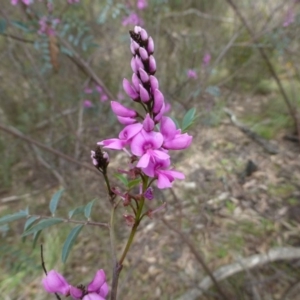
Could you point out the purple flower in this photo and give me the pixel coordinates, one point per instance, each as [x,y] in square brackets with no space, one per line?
[141,4]
[192,74]
[289,18]
[149,193]
[87,104]
[173,139]
[147,144]
[132,19]
[15,2]
[158,168]
[88,90]
[206,59]
[56,283]
[97,289]
[73,1]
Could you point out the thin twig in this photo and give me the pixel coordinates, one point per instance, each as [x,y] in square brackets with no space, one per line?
[98,224]
[17,38]
[84,66]
[17,134]
[198,256]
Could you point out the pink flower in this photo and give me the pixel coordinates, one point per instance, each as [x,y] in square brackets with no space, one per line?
[103,97]
[173,139]
[87,104]
[125,137]
[146,145]
[73,1]
[192,74]
[142,4]
[289,18]
[88,90]
[158,168]
[56,283]
[206,59]
[97,289]
[15,2]
[122,111]
[132,19]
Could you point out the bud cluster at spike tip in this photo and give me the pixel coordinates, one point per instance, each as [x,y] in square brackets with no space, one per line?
[143,139]
[97,289]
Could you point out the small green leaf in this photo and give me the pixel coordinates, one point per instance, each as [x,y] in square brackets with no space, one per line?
[20,25]
[54,201]
[188,119]
[76,211]
[14,217]
[35,238]
[133,183]
[30,221]
[70,241]
[88,209]
[42,225]
[122,178]
[66,51]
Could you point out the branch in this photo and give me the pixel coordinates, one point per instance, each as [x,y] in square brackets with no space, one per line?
[98,224]
[29,140]
[285,253]
[251,134]
[84,66]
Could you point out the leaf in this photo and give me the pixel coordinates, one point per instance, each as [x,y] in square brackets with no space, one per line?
[42,225]
[35,238]
[88,209]
[70,241]
[122,178]
[30,221]
[66,51]
[188,119]
[54,201]
[14,217]
[133,183]
[76,211]
[20,25]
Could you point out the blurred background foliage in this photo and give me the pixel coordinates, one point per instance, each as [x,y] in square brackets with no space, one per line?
[56,89]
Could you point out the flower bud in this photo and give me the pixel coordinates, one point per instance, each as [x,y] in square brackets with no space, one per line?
[144,35]
[126,121]
[130,91]
[152,65]
[143,75]
[148,123]
[136,81]
[143,54]
[158,101]
[137,29]
[122,111]
[134,47]
[144,95]
[150,46]
[129,219]
[153,83]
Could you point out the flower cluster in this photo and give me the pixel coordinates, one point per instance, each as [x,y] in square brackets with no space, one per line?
[15,2]
[149,137]
[132,19]
[97,289]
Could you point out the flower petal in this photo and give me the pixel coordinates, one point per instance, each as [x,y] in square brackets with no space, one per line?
[97,282]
